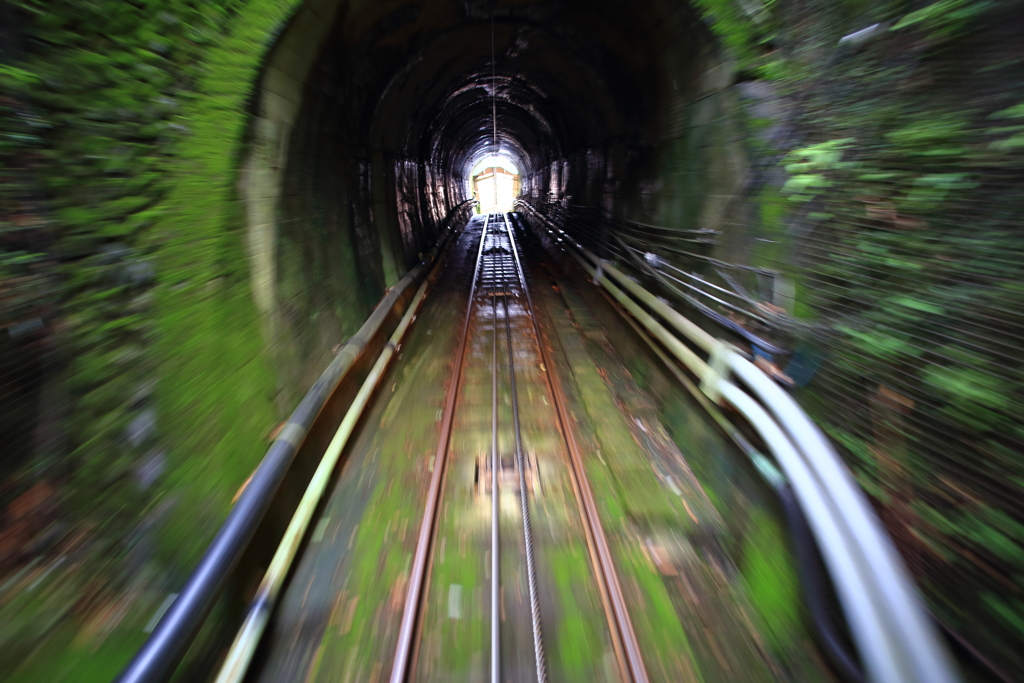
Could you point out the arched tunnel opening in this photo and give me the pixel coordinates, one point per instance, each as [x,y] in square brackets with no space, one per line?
[373,127]
[627,341]
[370,119]
[494,184]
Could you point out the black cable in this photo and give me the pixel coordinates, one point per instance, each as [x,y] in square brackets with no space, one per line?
[809,570]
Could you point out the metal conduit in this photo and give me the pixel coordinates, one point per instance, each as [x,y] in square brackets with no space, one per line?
[160,655]
[897,643]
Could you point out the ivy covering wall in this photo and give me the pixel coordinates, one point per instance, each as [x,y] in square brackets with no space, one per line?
[123,123]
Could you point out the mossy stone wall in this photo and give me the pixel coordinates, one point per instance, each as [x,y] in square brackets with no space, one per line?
[137,113]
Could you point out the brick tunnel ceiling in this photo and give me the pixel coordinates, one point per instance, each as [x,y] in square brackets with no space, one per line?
[568,75]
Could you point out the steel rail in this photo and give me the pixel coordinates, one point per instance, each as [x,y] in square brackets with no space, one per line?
[158,658]
[893,636]
[531,572]
[624,641]
[495,497]
[424,542]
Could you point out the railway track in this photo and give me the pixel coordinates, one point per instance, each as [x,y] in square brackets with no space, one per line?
[510,575]
[500,299]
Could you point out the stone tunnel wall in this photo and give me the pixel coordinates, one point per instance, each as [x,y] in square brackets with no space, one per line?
[688,166]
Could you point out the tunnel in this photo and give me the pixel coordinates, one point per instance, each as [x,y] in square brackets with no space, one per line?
[368,121]
[518,340]
[373,129]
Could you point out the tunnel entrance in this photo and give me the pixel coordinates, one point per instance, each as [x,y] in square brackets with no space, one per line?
[494,184]
[371,123]
[375,123]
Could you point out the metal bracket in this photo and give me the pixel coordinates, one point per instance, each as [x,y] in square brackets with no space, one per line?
[718,369]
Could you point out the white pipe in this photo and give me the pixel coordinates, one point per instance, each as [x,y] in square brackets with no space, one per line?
[900,622]
[244,646]
[931,663]
[849,576]
[863,613]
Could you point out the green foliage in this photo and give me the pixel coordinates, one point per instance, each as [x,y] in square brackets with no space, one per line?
[124,116]
[974,399]
[770,577]
[932,136]
[1015,129]
[811,168]
[944,19]
[929,190]
[743,27]
[17,79]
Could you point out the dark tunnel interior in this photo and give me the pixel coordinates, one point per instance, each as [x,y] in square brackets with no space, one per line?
[371,126]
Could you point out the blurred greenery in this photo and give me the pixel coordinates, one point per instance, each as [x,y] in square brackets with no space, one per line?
[905,245]
[121,256]
[120,134]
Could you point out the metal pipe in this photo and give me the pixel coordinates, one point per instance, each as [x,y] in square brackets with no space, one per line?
[928,658]
[681,351]
[689,329]
[244,646]
[803,540]
[882,661]
[842,565]
[158,658]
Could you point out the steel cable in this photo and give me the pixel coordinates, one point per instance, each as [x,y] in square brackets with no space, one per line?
[538,643]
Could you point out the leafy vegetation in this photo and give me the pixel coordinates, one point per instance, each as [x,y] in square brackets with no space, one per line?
[116,135]
[909,256]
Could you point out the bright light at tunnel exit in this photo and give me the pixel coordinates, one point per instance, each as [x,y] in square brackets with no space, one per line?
[494,182]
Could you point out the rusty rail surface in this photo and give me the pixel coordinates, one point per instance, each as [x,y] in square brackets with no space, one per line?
[624,641]
[419,571]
